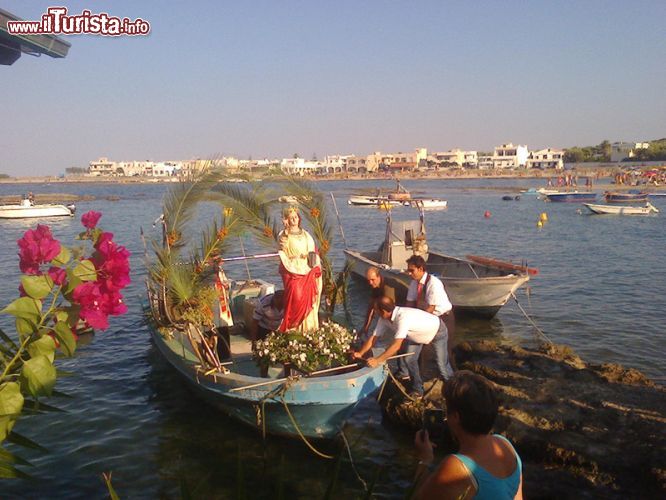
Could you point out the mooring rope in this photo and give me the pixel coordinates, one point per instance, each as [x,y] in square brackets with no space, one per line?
[277,394]
[351,460]
[539,331]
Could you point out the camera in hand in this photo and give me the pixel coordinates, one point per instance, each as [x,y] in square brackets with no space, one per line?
[438,430]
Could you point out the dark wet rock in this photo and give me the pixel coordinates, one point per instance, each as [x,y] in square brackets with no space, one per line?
[583,430]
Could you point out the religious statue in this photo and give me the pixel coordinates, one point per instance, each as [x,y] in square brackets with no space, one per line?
[300,268]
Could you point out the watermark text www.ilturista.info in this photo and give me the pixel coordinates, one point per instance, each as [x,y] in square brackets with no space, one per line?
[56,21]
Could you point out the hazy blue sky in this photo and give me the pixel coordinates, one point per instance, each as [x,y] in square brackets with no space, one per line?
[274,78]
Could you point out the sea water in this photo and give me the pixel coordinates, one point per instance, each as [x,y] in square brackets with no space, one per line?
[601,289]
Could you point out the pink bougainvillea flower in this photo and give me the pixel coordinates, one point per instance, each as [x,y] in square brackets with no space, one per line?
[89,296]
[90,219]
[36,247]
[112,263]
[58,275]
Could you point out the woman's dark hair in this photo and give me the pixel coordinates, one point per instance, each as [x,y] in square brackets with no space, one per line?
[473,398]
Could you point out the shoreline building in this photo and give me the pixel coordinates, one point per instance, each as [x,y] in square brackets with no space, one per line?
[546,158]
[510,156]
[623,150]
[453,158]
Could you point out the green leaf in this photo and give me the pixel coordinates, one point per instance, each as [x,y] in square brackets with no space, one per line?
[25,326]
[8,340]
[38,376]
[25,307]
[72,282]
[11,403]
[36,406]
[8,471]
[63,257]
[66,338]
[37,287]
[112,493]
[9,458]
[85,271]
[43,346]
[20,440]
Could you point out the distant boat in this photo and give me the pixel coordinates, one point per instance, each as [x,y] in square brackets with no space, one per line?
[508,197]
[27,210]
[572,196]
[398,197]
[293,199]
[629,197]
[622,210]
[428,203]
[359,200]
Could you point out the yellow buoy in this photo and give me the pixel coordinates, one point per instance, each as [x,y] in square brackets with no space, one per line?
[544,217]
[539,224]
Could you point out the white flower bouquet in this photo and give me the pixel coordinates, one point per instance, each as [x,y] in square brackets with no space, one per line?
[306,351]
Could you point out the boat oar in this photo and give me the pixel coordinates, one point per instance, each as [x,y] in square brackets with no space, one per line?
[247,257]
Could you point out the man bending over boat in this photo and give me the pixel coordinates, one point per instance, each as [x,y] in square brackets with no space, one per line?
[379,288]
[427,292]
[412,329]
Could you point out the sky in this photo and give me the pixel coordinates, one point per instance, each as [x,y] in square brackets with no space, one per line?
[270,79]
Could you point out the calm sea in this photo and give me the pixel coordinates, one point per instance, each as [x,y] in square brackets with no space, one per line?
[601,289]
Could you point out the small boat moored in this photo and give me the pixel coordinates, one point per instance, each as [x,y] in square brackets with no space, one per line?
[622,210]
[26,209]
[571,196]
[474,288]
[628,197]
[428,203]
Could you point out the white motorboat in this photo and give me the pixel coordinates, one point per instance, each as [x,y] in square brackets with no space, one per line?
[359,200]
[428,203]
[622,209]
[476,286]
[27,210]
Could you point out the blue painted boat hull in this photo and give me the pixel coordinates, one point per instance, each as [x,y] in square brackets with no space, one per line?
[573,197]
[319,405]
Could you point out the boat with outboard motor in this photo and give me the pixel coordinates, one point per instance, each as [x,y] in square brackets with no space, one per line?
[27,209]
[648,209]
[474,288]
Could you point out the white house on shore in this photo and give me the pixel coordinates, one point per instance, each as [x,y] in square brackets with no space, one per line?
[510,156]
[461,158]
[622,150]
[546,158]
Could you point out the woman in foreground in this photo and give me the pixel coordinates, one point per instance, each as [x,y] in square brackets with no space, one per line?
[486,466]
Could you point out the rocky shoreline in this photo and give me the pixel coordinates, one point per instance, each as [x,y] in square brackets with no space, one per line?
[582,430]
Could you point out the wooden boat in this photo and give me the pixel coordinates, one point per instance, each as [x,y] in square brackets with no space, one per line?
[571,196]
[314,406]
[428,203]
[27,210]
[360,200]
[622,210]
[400,196]
[629,197]
[474,288]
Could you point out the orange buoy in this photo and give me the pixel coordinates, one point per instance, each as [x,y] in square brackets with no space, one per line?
[544,217]
[487,214]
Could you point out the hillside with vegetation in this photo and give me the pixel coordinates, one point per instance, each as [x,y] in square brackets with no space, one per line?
[602,152]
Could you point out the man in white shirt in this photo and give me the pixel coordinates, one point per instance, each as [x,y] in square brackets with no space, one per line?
[427,292]
[412,329]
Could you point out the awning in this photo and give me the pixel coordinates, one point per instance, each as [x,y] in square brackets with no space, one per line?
[12,46]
